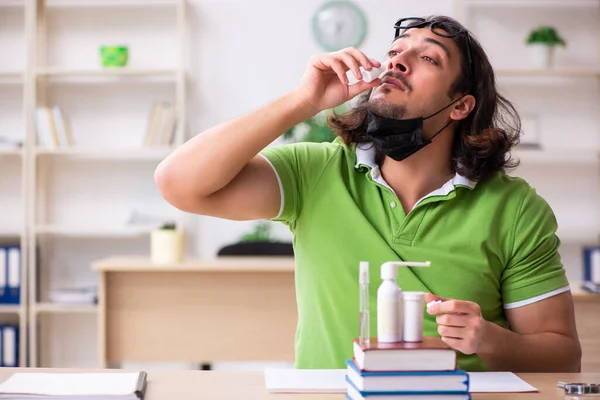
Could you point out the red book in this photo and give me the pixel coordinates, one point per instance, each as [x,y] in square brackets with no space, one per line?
[432,354]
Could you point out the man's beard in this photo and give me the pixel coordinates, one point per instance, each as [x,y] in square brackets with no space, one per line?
[385,109]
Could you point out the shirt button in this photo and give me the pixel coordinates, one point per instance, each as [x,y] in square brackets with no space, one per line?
[393,204]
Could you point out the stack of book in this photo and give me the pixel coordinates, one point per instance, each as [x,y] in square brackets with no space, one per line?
[405,370]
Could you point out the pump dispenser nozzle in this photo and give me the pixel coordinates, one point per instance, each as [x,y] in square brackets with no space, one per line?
[389,270]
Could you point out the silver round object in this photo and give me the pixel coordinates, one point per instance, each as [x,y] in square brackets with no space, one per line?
[582,388]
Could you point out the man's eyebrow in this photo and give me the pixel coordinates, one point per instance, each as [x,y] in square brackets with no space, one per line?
[428,40]
[437,42]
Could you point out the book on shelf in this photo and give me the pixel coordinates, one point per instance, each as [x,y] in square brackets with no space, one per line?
[52,127]
[161,125]
[74,386]
[75,295]
[431,354]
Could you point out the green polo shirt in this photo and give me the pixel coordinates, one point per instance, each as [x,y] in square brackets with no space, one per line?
[491,242]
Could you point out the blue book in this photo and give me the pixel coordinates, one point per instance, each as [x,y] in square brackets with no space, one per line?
[352,393]
[446,382]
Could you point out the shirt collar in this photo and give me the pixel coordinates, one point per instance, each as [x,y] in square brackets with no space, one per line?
[365,156]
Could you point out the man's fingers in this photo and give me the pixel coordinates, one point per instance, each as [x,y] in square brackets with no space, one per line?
[457,320]
[429,297]
[352,64]
[453,307]
[361,86]
[364,61]
[431,300]
[338,68]
[457,344]
[451,332]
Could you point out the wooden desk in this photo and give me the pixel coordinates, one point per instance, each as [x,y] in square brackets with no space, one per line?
[188,312]
[214,385]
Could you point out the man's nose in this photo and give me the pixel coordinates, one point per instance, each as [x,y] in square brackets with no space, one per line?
[398,64]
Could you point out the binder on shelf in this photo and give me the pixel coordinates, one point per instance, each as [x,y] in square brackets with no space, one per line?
[9,336]
[591,269]
[14,275]
[3,275]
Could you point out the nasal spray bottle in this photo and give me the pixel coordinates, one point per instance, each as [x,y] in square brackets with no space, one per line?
[390,309]
[367,76]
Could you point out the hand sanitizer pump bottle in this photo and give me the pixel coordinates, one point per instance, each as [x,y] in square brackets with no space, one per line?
[389,306]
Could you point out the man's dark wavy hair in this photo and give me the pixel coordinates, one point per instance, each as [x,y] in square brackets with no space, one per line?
[484,139]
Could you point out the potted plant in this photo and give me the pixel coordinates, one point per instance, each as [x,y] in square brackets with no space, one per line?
[166,244]
[314,129]
[542,41]
[259,242]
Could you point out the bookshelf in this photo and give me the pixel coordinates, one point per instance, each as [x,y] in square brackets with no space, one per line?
[89,194]
[10,309]
[107,154]
[549,73]
[94,231]
[557,156]
[11,75]
[74,73]
[14,58]
[49,308]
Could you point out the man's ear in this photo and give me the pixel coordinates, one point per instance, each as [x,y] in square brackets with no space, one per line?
[463,108]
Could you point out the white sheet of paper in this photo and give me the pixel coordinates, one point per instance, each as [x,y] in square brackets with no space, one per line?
[79,384]
[286,380]
[498,382]
[283,380]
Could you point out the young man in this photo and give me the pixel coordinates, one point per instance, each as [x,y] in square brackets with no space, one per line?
[416,174]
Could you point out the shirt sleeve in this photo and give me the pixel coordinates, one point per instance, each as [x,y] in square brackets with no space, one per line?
[298,168]
[534,271]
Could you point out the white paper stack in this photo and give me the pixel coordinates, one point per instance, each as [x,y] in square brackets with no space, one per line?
[76,386]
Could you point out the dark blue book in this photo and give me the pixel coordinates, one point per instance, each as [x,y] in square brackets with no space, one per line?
[447,382]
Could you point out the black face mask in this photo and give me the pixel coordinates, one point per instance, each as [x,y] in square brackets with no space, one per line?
[400,138]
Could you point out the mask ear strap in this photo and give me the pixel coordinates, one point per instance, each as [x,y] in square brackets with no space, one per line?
[445,126]
[433,115]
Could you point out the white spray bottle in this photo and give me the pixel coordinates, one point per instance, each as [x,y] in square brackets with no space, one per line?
[390,309]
